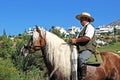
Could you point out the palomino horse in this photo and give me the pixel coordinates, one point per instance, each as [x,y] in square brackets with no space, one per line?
[57,58]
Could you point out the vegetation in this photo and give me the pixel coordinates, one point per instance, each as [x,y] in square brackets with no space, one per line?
[14,66]
[113,48]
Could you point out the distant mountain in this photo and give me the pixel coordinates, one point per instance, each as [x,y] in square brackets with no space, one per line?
[115,23]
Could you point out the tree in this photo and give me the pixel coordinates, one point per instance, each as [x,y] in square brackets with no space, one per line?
[4,32]
[57,32]
[6,46]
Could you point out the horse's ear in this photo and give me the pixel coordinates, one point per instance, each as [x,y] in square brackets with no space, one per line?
[37,29]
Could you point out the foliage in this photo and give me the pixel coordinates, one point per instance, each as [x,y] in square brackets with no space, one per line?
[14,66]
[6,46]
[7,70]
[30,67]
[112,47]
[58,33]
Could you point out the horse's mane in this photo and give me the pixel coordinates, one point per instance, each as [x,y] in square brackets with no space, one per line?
[35,36]
[58,52]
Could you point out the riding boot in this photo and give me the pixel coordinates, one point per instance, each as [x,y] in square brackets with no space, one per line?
[79,70]
[83,71]
[79,74]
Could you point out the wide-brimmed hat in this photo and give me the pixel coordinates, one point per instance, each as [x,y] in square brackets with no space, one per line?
[85,14]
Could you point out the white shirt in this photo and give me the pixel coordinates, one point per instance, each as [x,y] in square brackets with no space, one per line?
[89,31]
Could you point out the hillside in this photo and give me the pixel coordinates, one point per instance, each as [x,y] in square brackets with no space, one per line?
[117,22]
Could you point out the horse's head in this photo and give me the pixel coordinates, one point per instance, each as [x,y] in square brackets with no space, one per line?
[35,43]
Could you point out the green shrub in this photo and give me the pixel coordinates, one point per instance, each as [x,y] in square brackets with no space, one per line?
[7,70]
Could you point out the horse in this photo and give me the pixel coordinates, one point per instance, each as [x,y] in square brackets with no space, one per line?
[57,57]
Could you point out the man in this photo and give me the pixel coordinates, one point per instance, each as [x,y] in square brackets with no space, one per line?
[85,43]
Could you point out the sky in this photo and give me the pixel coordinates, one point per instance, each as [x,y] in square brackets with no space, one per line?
[16,16]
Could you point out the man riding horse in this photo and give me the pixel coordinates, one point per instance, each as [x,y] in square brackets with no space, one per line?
[85,42]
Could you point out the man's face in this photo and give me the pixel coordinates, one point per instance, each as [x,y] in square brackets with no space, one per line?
[83,21]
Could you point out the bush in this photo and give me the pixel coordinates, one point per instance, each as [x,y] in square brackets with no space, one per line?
[8,71]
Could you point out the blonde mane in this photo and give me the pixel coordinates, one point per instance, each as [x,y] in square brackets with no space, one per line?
[58,52]
[35,36]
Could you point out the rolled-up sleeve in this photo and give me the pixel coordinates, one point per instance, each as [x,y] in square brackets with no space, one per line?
[90,31]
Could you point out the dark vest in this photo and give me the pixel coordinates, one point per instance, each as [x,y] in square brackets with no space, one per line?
[91,45]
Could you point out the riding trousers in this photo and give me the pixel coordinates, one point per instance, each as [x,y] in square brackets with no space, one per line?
[83,57]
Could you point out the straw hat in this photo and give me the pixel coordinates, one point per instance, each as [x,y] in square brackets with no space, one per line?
[85,14]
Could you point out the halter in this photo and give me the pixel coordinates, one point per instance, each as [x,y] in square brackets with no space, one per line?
[30,45]
[42,39]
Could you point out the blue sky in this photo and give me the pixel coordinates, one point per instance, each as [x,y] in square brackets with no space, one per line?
[16,16]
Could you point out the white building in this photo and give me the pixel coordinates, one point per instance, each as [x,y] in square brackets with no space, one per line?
[117,26]
[62,30]
[73,29]
[104,29]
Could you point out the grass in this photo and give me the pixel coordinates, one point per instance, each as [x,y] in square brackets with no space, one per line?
[92,59]
[110,48]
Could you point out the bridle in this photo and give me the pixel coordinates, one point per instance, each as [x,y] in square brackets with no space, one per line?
[32,48]
[42,41]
